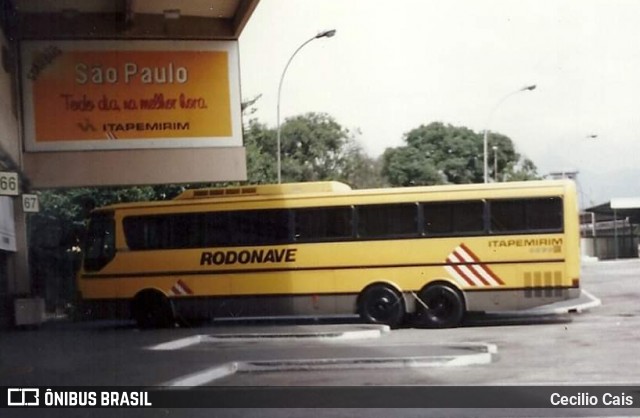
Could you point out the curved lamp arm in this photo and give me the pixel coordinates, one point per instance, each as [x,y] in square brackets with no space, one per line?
[486,131]
[323,34]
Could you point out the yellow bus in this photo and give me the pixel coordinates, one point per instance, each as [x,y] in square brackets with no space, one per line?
[427,253]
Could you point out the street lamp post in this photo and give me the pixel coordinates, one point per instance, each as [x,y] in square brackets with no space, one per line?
[495,163]
[486,131]
[324,34]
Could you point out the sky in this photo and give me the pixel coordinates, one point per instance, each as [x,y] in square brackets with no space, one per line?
[395,65]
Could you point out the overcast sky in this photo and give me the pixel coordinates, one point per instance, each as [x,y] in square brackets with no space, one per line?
[394,65]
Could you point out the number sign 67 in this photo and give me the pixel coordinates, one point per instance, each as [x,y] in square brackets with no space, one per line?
[30,203]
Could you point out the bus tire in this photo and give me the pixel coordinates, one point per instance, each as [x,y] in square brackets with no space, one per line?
[381,304]
[446,307]
[152,309]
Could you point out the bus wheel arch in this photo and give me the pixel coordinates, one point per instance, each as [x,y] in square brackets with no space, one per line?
[151,308]
[445,305]
[381,303]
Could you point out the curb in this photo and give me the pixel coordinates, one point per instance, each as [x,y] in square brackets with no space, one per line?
[293,336]
[203,377]
[558,308]
[177,344]
[483,356]
[362,334]
[362,363]
[576,308]
[594,303]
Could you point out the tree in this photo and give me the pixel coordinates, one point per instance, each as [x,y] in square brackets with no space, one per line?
[440,154]
[409,166]
[260,145]
[314,147]
[361,171]
[521,171]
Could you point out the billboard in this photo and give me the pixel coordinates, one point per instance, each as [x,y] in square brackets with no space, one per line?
[102,95]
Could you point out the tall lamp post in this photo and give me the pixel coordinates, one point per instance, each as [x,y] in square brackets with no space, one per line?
[495,163]
[486,131]
[324,34]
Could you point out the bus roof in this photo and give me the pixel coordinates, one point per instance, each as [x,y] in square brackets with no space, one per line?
[266,190]
[320,189]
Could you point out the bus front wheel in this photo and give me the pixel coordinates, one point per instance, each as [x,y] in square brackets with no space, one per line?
[152,309]
[440,306]
[381,304]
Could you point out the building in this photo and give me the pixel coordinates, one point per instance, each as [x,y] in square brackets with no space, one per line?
[612,230]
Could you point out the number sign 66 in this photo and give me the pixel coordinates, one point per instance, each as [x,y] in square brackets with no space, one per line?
[9,184]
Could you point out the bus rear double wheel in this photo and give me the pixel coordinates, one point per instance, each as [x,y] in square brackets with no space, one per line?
[152,309]
[381,304]
[440,306]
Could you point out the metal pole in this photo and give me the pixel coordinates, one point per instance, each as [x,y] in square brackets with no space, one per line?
[615,233]
[324,34]
[495,163]
[594,234]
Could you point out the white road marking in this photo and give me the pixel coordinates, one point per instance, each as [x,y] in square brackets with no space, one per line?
[178,344]
[361,334]
[483,355]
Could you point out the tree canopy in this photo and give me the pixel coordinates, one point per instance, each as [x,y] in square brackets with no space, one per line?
[439,154]
[314,146]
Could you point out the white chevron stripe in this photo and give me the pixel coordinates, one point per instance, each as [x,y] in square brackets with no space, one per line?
[483,272]
[456,276]
[178,290]
[464,255]
[473,270]
[472,275]
[468,273]
[478,268]
[464,274]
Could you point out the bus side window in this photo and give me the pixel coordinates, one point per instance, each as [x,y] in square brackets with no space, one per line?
[186,230]
[147,232]
[216,229]
[387,221]
[322,224]
[453,218]
[259,227]
[526,215]
[545,214]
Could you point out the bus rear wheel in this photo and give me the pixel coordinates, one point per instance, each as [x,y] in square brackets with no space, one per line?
[152,309]
[381,304]
[444,307]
